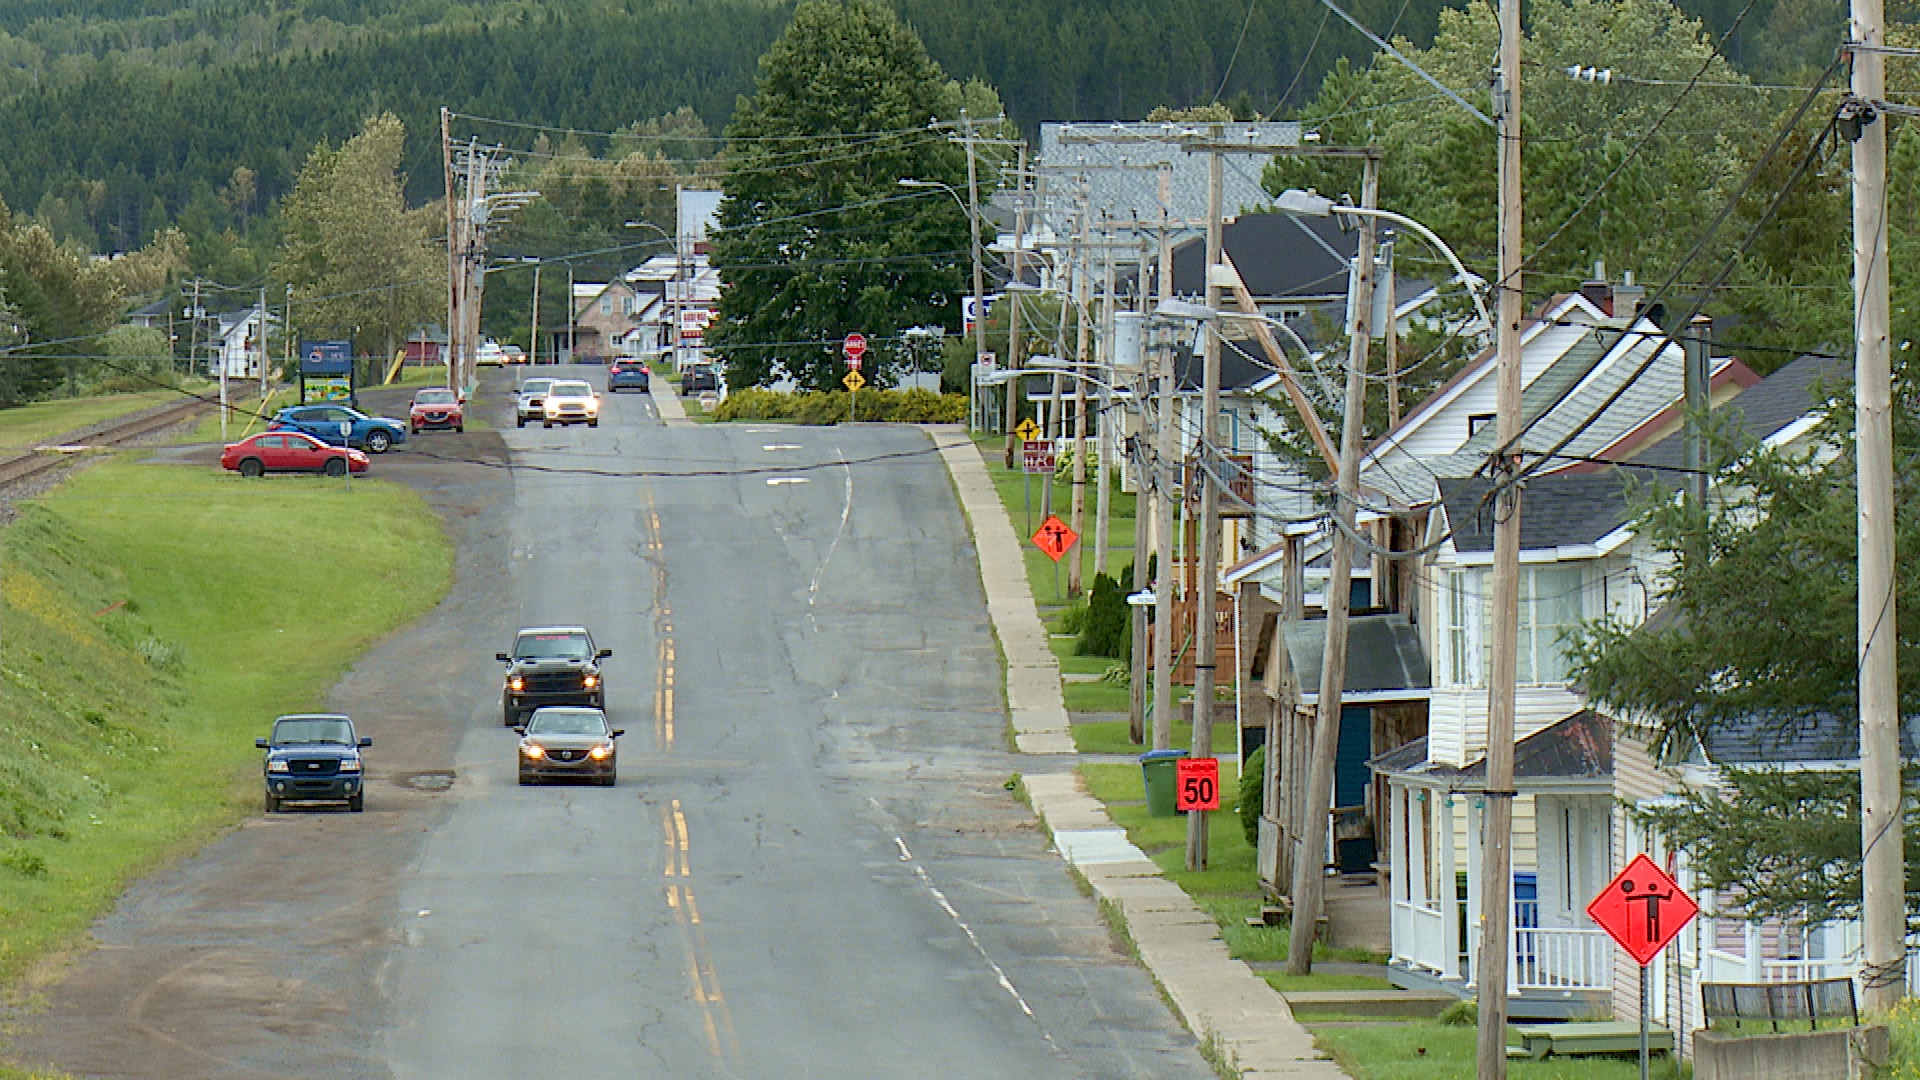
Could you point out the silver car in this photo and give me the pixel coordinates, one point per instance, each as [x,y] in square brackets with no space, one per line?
[567,742]
[532,402]
[570,401]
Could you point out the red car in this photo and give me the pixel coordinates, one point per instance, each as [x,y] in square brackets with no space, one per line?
[436,408]
[289,451]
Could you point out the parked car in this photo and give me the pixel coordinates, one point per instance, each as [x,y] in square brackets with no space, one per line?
[568,743]
[570,401]
[625,374]
[699,379]
[340,425]
[531,404]
[435,407]
[289,451]
[314,757]
[551,665]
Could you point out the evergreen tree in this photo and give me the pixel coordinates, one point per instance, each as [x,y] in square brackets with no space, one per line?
[818,237]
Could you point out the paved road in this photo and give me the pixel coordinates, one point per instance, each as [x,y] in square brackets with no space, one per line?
[809,866]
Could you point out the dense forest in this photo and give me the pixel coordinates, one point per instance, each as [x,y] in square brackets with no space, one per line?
[123,117]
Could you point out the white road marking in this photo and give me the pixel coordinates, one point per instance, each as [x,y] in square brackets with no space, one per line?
[777,481]
[782,446]
[846,512]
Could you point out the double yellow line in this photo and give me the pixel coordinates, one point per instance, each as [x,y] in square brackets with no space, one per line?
[717,1019]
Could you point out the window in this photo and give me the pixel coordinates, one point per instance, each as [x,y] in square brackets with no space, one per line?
[1549,608]
[626,305]
[606,305]
[1476,421]
[1458,626]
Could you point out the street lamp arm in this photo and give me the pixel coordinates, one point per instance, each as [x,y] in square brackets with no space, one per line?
[1472,281]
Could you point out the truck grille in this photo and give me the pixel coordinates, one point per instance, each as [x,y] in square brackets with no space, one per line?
[302,767]
[562,683]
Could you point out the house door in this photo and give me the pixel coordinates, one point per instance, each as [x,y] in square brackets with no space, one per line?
[1356,846]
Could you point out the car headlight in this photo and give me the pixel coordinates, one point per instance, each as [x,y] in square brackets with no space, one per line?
[276,766]
[533,750]
[593,405]
[600,753]
[350,765]
[515,682]
[590,681]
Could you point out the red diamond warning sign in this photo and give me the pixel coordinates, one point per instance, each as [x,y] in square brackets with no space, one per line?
[1642,909]
[1055,538]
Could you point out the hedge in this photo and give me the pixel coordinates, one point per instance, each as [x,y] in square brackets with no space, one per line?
[888,406]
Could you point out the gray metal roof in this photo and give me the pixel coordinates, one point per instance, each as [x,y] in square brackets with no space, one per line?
[1803,737]
[1578,748]
[1133,194]
[1383,654]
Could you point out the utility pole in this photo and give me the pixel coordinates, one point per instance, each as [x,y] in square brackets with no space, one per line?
[1206,627]
[979,272]
[1882,826]
[456,314]
[533,331]
[1496,857]
[571,359]
[1103,486]
[1391,338]
[1309,864]
[676,290]
[1166,457]
[263,343]
[1014,362]
[1080,300]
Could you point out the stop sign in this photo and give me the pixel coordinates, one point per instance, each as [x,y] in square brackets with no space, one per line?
[855,347]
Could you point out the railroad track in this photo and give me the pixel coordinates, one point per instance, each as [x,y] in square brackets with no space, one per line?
[21,465]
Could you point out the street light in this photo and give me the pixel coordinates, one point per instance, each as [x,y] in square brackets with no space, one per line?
[972,210]
[1313,204]
[673,301]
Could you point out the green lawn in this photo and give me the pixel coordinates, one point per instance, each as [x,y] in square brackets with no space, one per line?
[1110,737]
[27,425]
[1430,1050]
[1022,496]
[247,414]
[149,639]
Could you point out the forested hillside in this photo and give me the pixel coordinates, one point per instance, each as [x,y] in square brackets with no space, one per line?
[122,117]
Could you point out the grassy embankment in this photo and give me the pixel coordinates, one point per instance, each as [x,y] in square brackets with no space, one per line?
[148,639]
[41,421]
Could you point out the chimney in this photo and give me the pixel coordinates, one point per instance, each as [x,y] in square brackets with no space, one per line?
[1628,298]
[1698,347]
[1599,294]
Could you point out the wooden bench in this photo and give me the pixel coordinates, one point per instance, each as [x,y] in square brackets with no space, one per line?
[1807,1002]
[1539,1041]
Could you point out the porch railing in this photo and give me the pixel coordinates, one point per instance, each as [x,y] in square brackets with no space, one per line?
[1419,936]
[1561,959]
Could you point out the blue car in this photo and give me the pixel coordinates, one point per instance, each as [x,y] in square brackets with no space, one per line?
[627,374]
[314,757]
[337,425]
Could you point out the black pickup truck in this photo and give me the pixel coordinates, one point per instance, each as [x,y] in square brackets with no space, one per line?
[551,665]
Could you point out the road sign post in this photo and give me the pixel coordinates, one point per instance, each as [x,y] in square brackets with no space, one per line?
[1643,909]
[1196,784]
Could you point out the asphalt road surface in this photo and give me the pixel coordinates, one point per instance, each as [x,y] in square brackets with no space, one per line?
[809,868]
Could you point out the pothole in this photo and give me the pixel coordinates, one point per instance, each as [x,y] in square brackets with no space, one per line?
[426,781]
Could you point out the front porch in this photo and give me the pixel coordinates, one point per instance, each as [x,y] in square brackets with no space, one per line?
[1560,966]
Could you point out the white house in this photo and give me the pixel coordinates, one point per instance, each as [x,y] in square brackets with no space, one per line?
[237,343]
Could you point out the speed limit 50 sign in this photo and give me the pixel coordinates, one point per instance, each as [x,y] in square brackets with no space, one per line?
[1196,784]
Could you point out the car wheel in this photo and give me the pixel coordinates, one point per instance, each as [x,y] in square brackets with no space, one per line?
[336,467]
[593,423]
[606,781]
[378,442]
[459,429]
[252,467]
[546,423]
[273,805]
[413,430]
[356,803]
[525,780]
[519,421]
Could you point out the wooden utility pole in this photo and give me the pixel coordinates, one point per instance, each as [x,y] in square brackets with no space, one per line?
[1391,338]
[456,314]
[1883,876]
[533,331]
[1079,516]
[263,343]
[1310,863]
[979,281]
[1166,458]
[1013,305]
[1103,480]
[1142,520]
[1209,457]
[1496,848]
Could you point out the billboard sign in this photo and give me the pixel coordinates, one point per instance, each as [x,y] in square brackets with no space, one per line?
[326,358]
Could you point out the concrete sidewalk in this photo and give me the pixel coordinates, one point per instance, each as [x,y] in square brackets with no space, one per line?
[666,402]
[1218,998]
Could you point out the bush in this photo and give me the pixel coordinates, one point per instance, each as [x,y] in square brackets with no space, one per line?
[1072,620]
[1461,1014]
[1107,629]
[1253,793]
[819,408]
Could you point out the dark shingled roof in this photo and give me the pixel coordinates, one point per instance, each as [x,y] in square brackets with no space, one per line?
[1811,737]
[1278,255]
[1383,654]
[1559,509]
[1237,372]
[1579,747]
[1764,408]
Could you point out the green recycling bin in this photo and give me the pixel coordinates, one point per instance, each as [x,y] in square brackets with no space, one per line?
[1157,769]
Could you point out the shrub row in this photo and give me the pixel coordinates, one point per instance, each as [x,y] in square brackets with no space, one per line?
[891,406]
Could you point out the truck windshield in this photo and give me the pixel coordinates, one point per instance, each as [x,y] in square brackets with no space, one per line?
[551,647]
[313,729]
